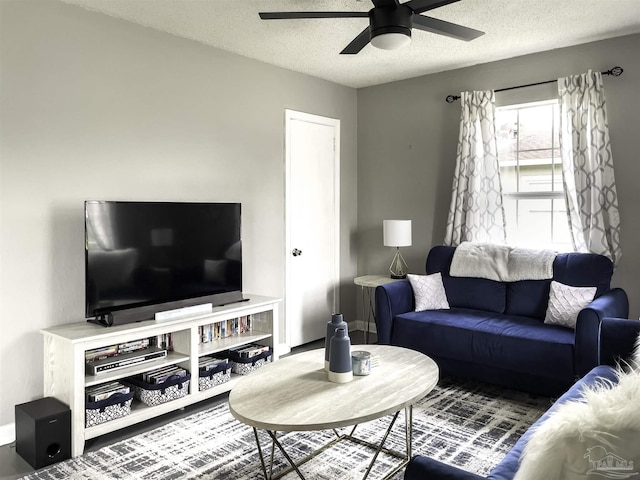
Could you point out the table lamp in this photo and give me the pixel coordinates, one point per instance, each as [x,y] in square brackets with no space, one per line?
[397,233]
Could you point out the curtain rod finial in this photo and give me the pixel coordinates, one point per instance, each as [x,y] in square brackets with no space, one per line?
[452,98]
[615,71]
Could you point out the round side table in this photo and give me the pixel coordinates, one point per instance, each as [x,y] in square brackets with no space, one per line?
[368,284]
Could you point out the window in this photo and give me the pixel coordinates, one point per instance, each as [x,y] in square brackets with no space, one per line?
[531,173]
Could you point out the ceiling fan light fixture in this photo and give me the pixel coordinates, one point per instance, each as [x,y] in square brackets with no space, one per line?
[391,40]
[390,23]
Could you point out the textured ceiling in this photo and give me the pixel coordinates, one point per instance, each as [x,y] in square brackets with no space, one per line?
[513,28]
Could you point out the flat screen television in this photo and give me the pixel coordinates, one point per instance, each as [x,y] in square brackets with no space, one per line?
[146,257]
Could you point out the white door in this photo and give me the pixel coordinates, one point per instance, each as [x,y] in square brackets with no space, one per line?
[312,223]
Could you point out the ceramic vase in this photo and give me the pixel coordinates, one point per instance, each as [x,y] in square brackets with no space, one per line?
[340,357]
[337,321]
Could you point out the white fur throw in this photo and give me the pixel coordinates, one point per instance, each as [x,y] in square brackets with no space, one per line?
[501,262]
[597,436]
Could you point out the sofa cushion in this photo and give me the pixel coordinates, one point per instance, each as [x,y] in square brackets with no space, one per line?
[509,342]
[463,292]
[527,298]
[530,298]
[583,270]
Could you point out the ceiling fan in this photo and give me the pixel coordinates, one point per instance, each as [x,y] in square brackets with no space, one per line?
[390,23]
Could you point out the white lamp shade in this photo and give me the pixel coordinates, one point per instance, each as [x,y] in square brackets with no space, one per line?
[390,41]
[396,233]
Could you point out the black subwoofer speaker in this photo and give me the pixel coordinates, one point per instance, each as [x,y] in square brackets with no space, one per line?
[43,431]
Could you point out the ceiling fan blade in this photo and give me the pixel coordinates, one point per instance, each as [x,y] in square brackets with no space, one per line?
[441,27]
[385,3]
[357,43]
[294,15]
[419,6]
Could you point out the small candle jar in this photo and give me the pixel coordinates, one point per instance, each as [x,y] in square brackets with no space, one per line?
[361,361]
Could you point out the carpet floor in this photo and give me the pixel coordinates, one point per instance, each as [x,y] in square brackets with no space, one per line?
[463,423]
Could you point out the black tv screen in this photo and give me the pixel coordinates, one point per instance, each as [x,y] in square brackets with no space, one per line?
[154,256]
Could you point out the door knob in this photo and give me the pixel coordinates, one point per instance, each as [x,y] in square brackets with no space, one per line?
[295,252]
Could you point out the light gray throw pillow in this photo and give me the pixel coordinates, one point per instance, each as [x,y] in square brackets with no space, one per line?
[428,292]
[565,303]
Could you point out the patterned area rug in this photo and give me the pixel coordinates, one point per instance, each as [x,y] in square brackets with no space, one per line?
[466,424]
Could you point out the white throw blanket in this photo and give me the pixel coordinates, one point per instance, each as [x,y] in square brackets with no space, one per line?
[595,437]
[501,262]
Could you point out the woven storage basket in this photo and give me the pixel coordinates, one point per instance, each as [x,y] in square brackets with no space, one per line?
[116,406]
[155,394]
[216,376]
[244,366]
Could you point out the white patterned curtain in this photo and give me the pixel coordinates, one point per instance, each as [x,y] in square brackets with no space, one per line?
[476,212]
[587,166]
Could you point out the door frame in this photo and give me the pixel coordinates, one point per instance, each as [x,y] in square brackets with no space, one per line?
[291,116]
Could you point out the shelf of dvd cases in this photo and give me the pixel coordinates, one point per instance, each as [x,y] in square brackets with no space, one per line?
[231,342]
[67,347]
[172,358]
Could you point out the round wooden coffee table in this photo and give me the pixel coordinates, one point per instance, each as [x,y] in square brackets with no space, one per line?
[294,394]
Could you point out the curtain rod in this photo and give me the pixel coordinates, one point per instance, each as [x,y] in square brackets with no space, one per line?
[615,71]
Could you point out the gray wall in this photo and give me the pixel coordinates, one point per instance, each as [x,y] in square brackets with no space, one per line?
[407,137]
[98,108]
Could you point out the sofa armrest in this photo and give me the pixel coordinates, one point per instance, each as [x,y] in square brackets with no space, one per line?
[613,303]
[391,300]
[423,468]
[617,339]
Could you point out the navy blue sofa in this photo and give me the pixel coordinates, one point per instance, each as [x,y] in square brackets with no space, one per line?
[616,340]
[495,331]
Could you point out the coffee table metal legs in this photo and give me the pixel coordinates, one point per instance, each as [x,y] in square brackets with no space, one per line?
[294,466]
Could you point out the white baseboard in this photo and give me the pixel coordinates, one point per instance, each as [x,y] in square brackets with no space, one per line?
[7,434]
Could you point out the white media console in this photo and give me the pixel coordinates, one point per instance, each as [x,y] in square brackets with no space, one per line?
[64,359]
